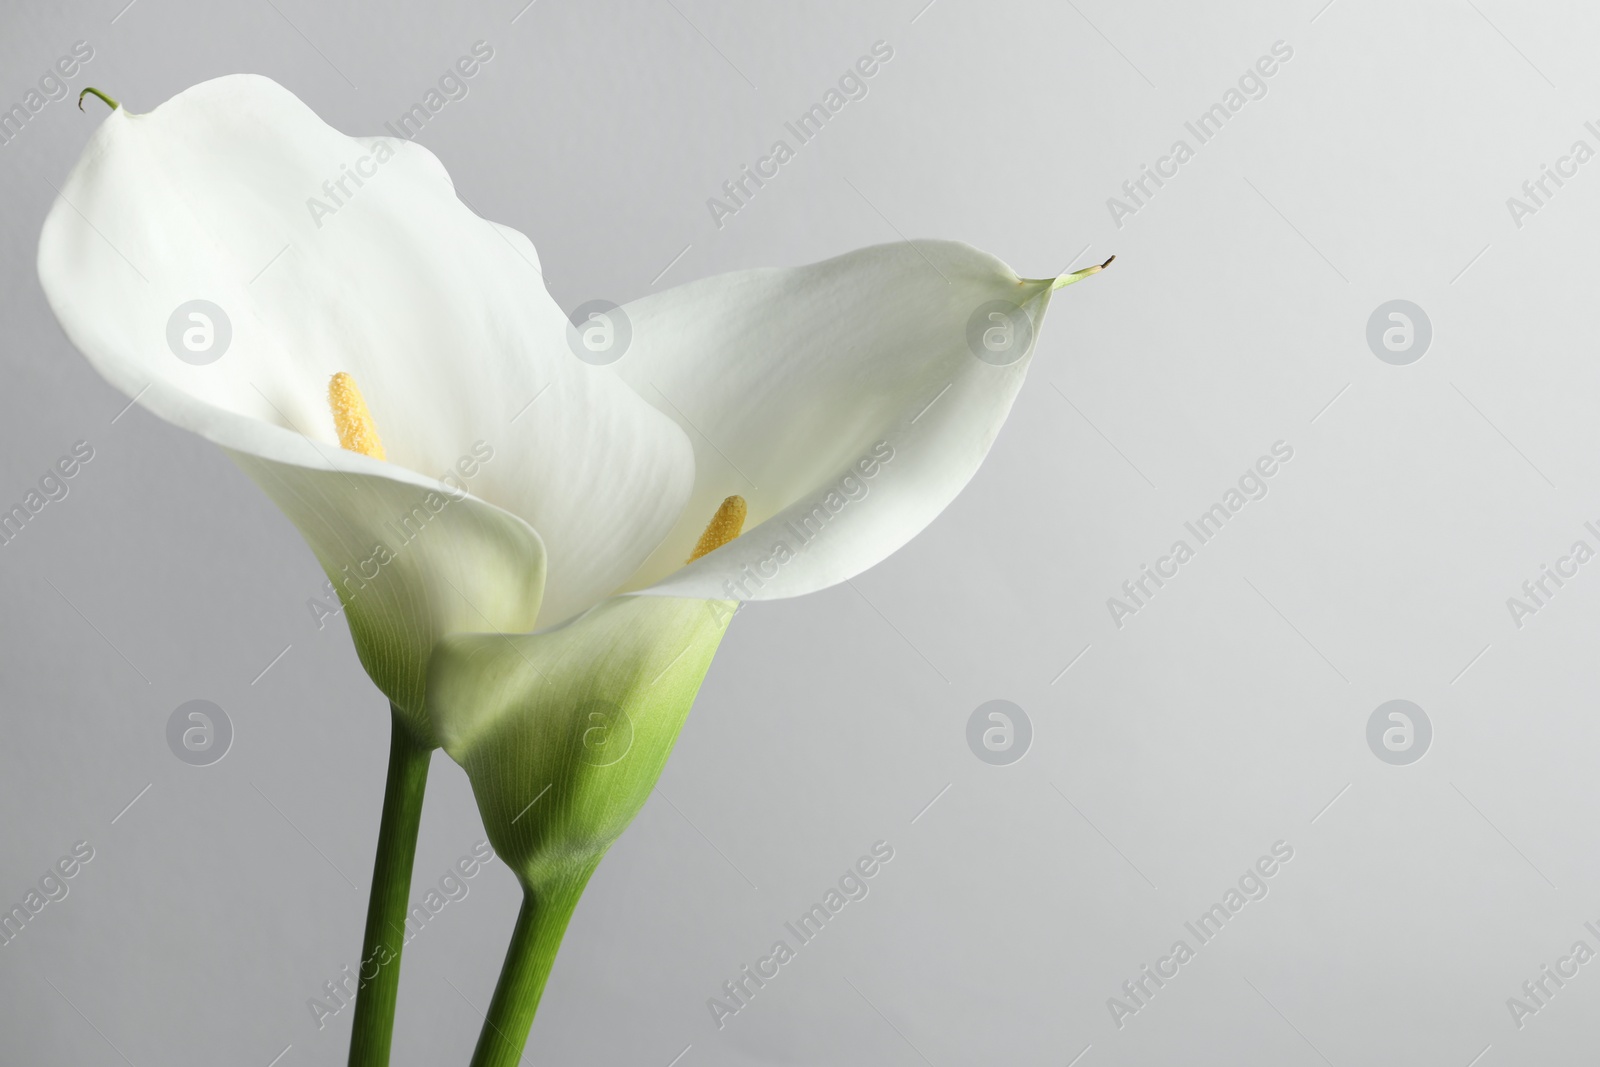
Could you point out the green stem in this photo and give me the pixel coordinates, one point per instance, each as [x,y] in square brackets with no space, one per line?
[540,926]
[391,893]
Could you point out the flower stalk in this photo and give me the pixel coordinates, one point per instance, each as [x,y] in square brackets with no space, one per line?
[541,924]
[391,893]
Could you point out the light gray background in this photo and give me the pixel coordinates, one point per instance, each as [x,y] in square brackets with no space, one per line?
[1224,717]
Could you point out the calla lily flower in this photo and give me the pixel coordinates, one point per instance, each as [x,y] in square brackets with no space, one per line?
[507,524]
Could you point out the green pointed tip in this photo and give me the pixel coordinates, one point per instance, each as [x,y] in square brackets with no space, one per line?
[112,104]
[1079,275]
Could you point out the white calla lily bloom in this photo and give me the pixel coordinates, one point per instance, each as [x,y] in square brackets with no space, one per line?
[842,400]
[507,524]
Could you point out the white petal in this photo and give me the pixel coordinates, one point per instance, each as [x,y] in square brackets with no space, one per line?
[412,561]
[236,193]
[842,400]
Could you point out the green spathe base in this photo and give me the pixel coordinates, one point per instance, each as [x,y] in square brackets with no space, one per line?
[563,734]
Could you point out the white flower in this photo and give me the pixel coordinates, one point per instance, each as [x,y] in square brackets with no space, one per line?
[505,522]
[846,401]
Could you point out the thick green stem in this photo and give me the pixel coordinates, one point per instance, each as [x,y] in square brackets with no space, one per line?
[540,927]
[391,893]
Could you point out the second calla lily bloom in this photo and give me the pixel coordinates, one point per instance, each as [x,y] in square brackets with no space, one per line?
[506,524]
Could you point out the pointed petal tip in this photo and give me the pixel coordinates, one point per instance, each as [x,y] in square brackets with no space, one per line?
[1078,275]
[111,103]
